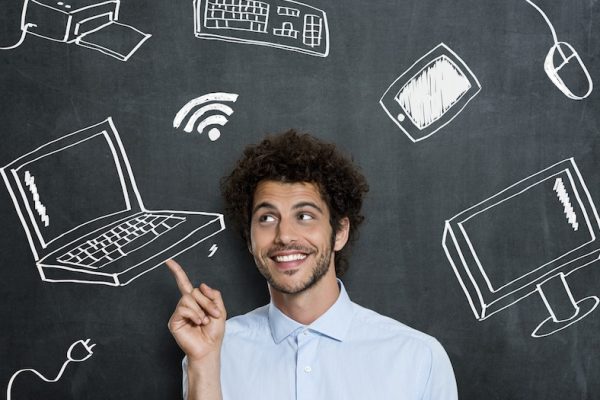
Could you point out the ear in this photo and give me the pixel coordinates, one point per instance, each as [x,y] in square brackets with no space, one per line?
[341,236]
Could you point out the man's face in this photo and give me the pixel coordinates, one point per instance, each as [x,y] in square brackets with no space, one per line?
[291,238]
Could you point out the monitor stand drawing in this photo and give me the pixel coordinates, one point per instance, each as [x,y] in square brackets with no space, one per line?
[526,239]
[84,217]
[561,304]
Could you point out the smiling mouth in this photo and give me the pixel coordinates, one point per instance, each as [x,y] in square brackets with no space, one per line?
[293,254]
[289,257]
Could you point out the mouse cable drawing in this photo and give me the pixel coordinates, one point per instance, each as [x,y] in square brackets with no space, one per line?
[87,347]
[554,37]
[21,39]
[24,28]
[551,71]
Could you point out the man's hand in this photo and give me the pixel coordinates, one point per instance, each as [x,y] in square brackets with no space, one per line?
[198,322]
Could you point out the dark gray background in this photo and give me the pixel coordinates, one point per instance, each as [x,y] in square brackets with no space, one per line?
[517,125]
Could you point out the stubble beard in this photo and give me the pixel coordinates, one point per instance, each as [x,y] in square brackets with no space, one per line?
[318,272]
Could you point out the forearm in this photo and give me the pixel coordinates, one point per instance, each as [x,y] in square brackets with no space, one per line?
[204,379]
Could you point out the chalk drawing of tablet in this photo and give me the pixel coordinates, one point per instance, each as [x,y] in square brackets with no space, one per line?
[428,95]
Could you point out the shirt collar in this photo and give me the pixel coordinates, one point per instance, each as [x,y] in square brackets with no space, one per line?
[334,323]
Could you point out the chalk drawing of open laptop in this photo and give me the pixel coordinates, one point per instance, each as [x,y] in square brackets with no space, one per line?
[83,214]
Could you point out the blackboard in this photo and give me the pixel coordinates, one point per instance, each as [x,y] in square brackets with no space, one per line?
[499,129]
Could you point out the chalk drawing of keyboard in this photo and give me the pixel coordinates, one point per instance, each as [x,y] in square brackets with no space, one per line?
[285,24]
[120,240]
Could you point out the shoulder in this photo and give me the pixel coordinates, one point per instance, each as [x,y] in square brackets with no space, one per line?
[392,333]
[406,349]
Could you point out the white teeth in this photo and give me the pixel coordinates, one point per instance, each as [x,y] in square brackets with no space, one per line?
[291,257]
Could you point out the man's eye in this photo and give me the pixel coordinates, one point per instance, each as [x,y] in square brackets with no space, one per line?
[266,218]
[305,217]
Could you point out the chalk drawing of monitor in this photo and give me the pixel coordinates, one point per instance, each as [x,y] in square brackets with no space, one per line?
[84,217]
[428,95]
[527,239]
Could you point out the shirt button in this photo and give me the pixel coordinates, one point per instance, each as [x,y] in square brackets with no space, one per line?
[307,369]
[305,332]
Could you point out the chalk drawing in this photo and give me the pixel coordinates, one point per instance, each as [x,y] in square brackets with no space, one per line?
[527,239]
[24,29]
[83,347]
[563,196]
[213,249]
[284,24]
[211,104]
[39,207]
[563,63]
[428,95]
[85,220]
[89,24]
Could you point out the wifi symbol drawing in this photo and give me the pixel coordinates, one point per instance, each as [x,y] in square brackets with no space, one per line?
[210,104]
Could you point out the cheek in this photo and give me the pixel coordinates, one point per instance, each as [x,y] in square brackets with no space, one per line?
[320,238]
[258,242]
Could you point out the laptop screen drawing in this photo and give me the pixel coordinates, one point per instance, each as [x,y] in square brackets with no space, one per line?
[90,186]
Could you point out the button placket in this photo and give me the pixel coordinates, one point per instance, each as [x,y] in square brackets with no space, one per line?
[305,365]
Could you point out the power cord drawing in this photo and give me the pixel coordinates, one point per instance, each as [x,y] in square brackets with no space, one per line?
[87,353]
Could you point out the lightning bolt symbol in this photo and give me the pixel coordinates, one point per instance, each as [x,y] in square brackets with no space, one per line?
[213,250]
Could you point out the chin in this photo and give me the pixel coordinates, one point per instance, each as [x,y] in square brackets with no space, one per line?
[293,284]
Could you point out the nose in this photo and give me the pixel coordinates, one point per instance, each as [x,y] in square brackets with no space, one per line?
[286,232]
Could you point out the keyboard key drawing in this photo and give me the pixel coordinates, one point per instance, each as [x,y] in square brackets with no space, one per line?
[428,95]
[88,23]
[284,24]
[120,240]
[84,217]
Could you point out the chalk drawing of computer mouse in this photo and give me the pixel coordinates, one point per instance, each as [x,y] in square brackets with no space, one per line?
[564,67]
[562,56]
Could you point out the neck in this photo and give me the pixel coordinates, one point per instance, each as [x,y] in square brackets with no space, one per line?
[307,306]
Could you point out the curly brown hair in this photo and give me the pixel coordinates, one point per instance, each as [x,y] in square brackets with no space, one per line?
[294,157]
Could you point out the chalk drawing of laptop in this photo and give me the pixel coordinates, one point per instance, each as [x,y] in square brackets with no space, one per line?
[83,214]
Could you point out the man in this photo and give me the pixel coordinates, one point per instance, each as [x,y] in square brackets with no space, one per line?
[297,203]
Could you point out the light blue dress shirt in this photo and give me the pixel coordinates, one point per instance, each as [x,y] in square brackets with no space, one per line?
[350,352]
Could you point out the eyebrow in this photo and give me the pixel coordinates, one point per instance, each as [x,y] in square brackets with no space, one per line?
[307,204]
[263,204]
[266,204]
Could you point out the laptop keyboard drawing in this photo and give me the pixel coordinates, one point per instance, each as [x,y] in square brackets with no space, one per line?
[84,217]
[120,240]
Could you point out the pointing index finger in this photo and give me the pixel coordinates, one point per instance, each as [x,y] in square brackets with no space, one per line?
[183,282]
